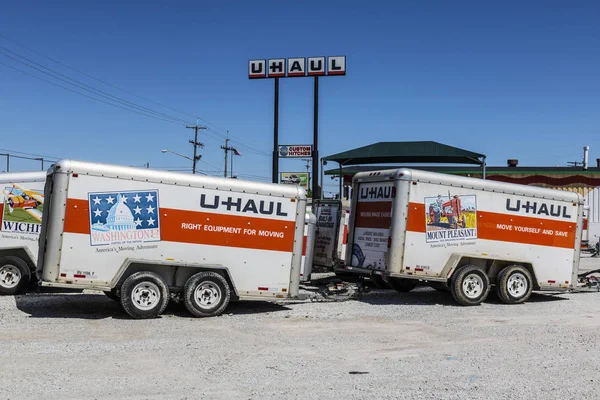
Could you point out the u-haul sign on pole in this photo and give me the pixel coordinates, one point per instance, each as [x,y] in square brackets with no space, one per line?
[297,67]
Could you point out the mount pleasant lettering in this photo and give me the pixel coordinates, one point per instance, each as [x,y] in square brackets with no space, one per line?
[450,234]
[533,207]
[240,205]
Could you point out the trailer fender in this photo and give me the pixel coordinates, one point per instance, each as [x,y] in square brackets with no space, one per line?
[22,252]
[175,273]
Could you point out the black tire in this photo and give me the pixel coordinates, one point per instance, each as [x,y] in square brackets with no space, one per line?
[144,295]
[439,286]
[403,285]
[477,282]
[112,295]
[206,294]
[14,275]
[514,284]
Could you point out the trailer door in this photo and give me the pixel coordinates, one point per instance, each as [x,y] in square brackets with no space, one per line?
[371,230]
[328,224]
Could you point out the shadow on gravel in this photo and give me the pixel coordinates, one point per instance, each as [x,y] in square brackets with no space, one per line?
[425,296]
[84,306]
[535,298]
[418,297]
[98,306]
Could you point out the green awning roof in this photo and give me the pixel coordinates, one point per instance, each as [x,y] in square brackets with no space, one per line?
[407,152]
[459,170]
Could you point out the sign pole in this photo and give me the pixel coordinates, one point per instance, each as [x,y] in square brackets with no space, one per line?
[315,156]
[276,134]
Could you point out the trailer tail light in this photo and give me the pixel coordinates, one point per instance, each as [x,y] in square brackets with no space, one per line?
[75,175]
[551,281]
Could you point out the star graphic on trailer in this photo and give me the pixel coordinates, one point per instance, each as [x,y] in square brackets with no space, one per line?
[137,210]
[96,200]
[124,198]
[150,221]
[136,198]
[149,197]
[138,222]
[150,210]
[110,199]
[97,213]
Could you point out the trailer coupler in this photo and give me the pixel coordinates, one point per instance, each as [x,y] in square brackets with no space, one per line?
[587,280]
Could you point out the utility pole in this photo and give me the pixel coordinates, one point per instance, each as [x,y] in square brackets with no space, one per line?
[196,144]
[307,161]
[226,148]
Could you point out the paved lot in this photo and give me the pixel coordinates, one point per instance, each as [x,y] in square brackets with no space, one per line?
[384,345]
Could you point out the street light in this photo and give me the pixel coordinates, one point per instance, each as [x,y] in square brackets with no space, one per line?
[181,155]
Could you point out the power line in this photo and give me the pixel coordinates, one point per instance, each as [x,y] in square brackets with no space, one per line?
[85,95]
[97,79]
[219,136]
[124,104]
[242,143]
[32,154]
[96,92]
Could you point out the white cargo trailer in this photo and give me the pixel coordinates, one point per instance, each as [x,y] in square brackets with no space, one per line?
[328,213]
[21,205]
[146,237]
[463,234]
[308,246]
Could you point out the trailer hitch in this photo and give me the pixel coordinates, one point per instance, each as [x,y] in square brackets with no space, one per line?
[588,281]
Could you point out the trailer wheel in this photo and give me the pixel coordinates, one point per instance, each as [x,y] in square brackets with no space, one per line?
[514,284]
[14,275]
[470,285]
[144,295]
[206,294]
[403,285]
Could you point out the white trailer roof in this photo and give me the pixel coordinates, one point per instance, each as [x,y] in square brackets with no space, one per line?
[466,182]
[29,176]
[180,179]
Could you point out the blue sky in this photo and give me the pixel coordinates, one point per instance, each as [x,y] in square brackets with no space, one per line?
[512,79]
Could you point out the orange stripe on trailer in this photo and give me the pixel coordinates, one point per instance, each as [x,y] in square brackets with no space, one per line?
[77,217]
[304,245]
[278,235]
[249,232]
[508,228]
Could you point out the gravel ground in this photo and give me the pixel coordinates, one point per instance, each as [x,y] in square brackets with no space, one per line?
[384,345]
